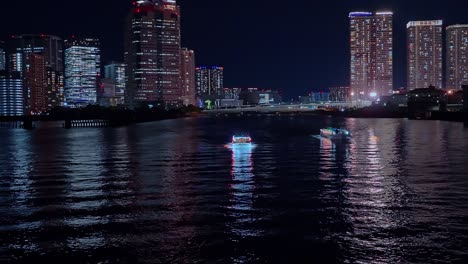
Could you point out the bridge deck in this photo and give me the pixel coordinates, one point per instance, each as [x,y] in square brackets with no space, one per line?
[290,108]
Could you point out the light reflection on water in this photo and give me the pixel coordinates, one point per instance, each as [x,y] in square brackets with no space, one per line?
[171,191]
[242,189]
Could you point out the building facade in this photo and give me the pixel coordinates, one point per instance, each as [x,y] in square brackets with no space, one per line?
[210,80]
[232,93]
[256,96]
[339,94]
[2,56]
[115,71]
[55,84]
[371,53]
[457,56]
[187,75]
[424,54]
[107,93]
[319,97]
[82,71]
[152,54]
[36,79]
[11,94]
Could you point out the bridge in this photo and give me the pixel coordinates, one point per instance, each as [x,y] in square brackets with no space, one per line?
[289,108]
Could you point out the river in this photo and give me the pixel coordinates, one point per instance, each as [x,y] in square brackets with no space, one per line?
[175,191]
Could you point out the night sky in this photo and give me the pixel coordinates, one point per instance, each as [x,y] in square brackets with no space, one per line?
[295,46]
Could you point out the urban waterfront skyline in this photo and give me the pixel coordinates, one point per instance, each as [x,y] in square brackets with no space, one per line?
[164,131]
[158,71]
[257,71]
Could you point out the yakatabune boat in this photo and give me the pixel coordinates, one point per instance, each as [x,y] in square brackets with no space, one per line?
[335,133]
[241,140]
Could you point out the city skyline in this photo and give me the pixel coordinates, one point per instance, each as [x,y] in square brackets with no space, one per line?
[208,131]
[309,69]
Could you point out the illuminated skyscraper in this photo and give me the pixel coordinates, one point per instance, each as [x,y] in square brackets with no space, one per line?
[187,74]
[152,54]
[11,94]
[371,53]
[2,56]
[82,71]
[35,76]
[210,80]
[55,88]
[424,54]
[115,71]
[457,56]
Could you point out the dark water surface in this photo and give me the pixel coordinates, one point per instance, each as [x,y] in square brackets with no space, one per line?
[173,192]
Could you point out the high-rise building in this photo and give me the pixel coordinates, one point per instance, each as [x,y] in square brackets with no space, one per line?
[371,53]
[210,80]
[107,93]
[457,56]
[35,77]
[32,70]
[82,71]
[115,71]
[339,94]
[2,56]
[232,93]
[187,74]
[15,63]
[152,54]
[11,94]
[424,54]
[55,85]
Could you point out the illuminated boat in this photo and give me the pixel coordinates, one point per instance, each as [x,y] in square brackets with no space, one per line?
[335,133]
[241,140]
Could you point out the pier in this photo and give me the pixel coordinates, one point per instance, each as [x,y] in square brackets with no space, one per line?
[30,123]
[85,123]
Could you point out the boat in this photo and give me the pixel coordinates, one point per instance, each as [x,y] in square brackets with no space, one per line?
[241,140]
[335,133]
